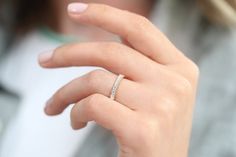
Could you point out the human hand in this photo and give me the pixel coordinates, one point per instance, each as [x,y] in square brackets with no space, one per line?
[152,113]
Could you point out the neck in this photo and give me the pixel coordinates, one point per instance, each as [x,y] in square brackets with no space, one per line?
[69,27]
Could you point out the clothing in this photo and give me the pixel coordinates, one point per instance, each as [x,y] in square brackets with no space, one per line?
[213,49]
[214,132]
[214,129]
[32,133]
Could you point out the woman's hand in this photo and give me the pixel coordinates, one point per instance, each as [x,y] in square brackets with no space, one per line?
[152,113]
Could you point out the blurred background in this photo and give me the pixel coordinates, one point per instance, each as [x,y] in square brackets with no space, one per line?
[203,29]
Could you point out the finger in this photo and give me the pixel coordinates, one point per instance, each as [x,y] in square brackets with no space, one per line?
[98,81]
[135,29]
[105,112]
[115,57]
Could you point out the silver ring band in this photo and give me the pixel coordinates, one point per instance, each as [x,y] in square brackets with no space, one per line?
[116,86]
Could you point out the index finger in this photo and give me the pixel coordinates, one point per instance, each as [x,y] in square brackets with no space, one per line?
[137,30]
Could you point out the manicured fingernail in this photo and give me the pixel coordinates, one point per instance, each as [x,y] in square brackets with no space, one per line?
[77,7]
[45,56]
[48,105]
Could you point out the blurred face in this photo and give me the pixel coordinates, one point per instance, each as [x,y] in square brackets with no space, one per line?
[141,7]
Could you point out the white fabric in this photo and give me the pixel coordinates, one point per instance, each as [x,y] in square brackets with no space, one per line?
[32,133]
[214,128]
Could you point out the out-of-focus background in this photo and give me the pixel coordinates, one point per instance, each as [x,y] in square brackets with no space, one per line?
[203,29]
[8,101]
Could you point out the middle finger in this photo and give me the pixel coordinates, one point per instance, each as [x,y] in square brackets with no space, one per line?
[115,57]
[98,81]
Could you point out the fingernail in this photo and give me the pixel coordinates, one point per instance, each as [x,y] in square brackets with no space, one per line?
[48,105]
[77,7]
[45,56]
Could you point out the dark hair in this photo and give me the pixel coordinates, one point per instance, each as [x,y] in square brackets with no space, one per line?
[28,14]
[18,17]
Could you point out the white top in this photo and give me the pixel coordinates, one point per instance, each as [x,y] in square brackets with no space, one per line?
[32,133]
[214,128]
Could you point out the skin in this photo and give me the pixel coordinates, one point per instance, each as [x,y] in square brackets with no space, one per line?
[69,27]
[152,113]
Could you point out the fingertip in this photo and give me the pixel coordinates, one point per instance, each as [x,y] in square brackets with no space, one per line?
[49,109]
[45,57]
[48,112]
[74,127]
[78,125]
[77,8]
[51,112]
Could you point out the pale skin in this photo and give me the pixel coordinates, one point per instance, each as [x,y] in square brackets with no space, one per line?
[69,27]
[152,113]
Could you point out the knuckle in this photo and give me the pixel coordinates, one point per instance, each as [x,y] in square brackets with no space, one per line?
[182,86]
[147,130]
[169,108]
[94,78]
[109,50]
[111,47]
[92,103]
[102,8]
[140,22]
[195,69]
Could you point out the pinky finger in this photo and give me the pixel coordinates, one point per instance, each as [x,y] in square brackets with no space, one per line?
[104,111]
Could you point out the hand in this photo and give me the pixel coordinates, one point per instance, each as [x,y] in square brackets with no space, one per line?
[152,114]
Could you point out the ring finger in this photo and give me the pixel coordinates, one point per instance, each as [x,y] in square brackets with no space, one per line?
[98,81]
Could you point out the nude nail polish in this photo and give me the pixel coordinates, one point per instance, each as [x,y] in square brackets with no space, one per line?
[77,8]
[45,56]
